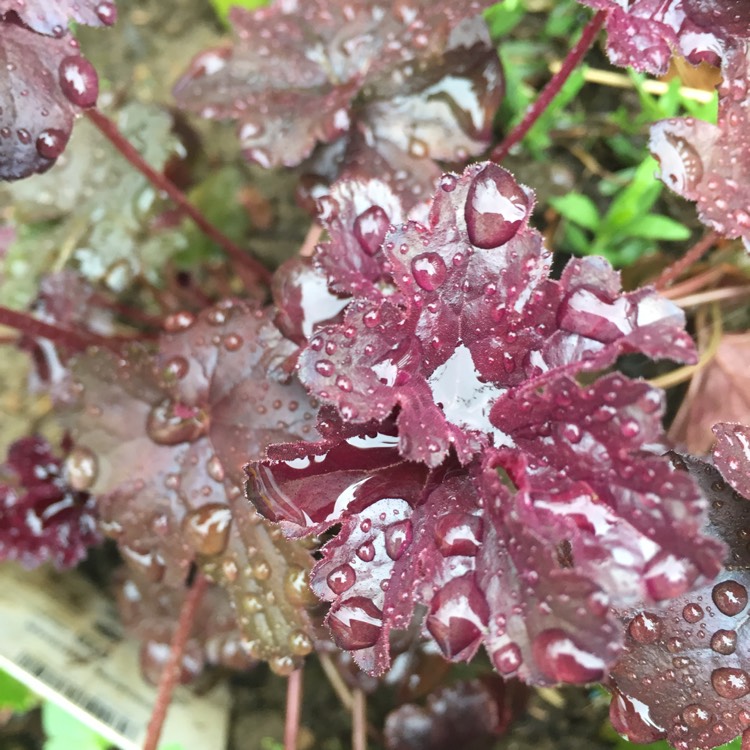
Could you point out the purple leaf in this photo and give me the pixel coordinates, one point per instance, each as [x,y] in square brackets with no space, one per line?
[709,163]
[454,306]
[167,434]
[47,83]
[644,33]
[683,673]
[470,471]
[52,17]
[44,515]
[401,84]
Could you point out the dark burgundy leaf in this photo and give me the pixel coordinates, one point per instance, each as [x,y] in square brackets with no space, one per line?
[709,163]
[425,77]
[47,82]
[467,714]
[168,434]
[150,611]
[732,455]
[469,294]
[643,34]
[44,515]
[53,16]
[683,674]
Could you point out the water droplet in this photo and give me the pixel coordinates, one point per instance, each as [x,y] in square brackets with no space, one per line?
[496,207]
[459,534]
[448,182]
[429,271]
[107,13]
[730,597]
[171,422]
[730,683]
[341,579]
[297,587]
[696,716]
[398,537]
[324,367]
[81,468]
[78,81]
[724,642]
[630,428]
[51,143]
[572,433]
[366,552]
[282,665]
[176,368]
[207,528]
[370,228]
[179,321]
[507,659]
[300,643]
[233,342]
[343,383]
[645,628]
[356,623]
[561,659]
[215,469]
[692,612]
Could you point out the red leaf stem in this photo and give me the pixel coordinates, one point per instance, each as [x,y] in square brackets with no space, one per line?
[171,671]
[110,130]
[293,706]
[552,88]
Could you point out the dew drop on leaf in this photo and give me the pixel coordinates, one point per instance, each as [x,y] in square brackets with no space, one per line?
[171,422]
[692,613]
[81,467]
[78,81]
[429,271]
[51,143]
[496,207]
[370,228]
[398,537]
[730,597]
[724,642]
[207,528]
[696,716]
[366,552]
[507,659]
[730,683]
[645,628]
[107,13]
[342,578]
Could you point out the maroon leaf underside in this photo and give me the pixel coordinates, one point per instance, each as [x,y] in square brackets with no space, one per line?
[150,611]
[168,434]
[36,115]
[644,36]
[42,517]
[708,163]
[683,673]
[52,17]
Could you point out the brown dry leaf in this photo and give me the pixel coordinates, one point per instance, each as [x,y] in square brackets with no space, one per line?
[718,393]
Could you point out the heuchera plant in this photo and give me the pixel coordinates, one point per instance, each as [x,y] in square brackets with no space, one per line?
[429,428]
